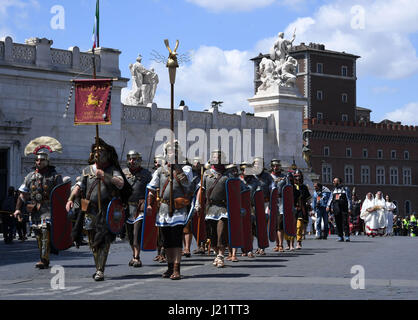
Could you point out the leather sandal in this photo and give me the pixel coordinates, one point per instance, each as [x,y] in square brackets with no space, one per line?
[169,271]
[137,263]
[176,272]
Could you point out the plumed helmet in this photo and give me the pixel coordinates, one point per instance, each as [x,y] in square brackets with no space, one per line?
[42,147]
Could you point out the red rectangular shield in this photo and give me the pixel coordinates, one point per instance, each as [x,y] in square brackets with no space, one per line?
[149,229]
[233,196]
[92,101]
[273,214]
[61,225]
[198,223]
[260,218]
[289,221]
[246,221]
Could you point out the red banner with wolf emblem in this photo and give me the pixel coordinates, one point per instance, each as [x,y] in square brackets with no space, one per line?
[92,101]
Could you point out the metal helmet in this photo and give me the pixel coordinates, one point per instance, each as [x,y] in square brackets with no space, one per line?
[133,154]
[220,156]
[275,162]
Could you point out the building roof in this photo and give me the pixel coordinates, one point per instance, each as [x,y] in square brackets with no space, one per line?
[313,47]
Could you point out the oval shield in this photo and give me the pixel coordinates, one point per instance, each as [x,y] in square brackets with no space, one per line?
[115,217]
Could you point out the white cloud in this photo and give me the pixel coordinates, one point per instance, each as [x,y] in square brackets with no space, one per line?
[378,32]
[213,74]
[231,5]
[384,90]
[408,114]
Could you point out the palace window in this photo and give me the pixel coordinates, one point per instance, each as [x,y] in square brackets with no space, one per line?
[407,176]
[349,174]
[393,154]
[319,115]
[344,71]
[319,95]
[319,68]
[365,174]
[326,173]
[344,117]
[326,151]
[348,153]
[380,175]
[365,153]
[406,155]
[379,154]
[344,98]
[394,175]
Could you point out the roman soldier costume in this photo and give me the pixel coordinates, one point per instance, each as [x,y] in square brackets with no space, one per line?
[138,178]
[171,217]
[101,181]
[37,187]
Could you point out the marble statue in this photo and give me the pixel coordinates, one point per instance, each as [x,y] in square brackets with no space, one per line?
[144,84]
[279,69]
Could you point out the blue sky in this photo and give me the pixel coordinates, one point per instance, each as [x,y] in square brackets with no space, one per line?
[220,36]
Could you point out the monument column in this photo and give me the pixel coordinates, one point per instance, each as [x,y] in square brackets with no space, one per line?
[286,105]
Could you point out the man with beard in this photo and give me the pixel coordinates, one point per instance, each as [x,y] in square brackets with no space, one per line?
[171,217]
[36,189]
[138,178]
[339,204]
[105,173]
[216,216]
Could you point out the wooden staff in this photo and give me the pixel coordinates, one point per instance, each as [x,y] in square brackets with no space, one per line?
[172,65]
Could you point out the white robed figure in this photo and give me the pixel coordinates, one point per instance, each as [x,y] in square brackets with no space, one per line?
[371,214]
[389,209]
[380,202]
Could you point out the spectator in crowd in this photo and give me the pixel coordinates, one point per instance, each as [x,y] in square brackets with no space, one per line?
[389,209]
[339,204]
[356,224]
[397,226]
[319,204]
[7,207]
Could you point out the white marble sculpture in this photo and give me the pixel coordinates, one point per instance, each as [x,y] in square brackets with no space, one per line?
[144,84]
[280,68]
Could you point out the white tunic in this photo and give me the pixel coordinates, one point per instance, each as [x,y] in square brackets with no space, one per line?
[371,218]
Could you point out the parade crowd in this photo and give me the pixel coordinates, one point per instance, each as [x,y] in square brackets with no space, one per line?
[196,203]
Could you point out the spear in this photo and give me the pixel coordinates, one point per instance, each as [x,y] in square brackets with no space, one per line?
[172,65]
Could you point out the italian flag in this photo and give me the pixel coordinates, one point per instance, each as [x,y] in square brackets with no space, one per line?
[96,27]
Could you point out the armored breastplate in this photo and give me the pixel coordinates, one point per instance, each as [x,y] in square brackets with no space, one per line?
[41,185]
[107,190]
[164,181]
[139,182]
[218,193]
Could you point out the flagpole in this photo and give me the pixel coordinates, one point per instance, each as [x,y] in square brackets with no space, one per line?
[96,30]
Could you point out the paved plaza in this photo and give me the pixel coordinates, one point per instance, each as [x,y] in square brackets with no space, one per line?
[322,270]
